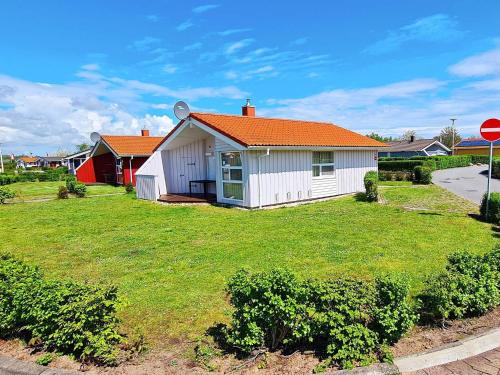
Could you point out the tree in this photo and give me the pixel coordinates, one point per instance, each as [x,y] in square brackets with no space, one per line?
[408,135]
[82,147]
[446,136]
[379,137]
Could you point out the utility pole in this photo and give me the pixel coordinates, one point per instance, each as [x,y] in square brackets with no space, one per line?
[1,159]
[453,135]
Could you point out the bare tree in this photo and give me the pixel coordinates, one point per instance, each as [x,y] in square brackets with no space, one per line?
[446,136]
[409,135]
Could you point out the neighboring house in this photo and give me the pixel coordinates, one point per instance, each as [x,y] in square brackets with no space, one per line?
[52,161]
[253,161]
[476,146]
[27,162]
[73,161]
[414,147]
[116,158]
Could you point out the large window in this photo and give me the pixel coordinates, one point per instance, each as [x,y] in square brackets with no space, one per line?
[232,175]
[323,164]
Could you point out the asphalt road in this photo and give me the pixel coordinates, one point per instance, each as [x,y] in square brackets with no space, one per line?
[468,182]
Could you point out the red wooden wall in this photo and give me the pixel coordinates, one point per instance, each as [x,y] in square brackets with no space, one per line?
[136,164]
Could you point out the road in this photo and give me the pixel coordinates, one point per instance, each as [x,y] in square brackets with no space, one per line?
[467,182]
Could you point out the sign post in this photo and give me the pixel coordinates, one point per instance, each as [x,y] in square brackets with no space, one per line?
[490,131]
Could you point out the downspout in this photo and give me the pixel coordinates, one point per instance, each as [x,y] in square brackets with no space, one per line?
[130,170]
[260,182]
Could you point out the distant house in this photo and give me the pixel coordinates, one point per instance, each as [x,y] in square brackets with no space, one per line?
[26,162]
[254,161]
[414,147]
[52,161]
[73,161]
[476,146]
[114,159]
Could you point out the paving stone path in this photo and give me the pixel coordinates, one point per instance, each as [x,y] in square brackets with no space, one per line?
[487,363]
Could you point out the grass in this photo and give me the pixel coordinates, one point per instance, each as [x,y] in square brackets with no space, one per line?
[171,262]
[46,190]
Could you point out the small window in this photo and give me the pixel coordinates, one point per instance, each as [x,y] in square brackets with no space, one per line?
[323,164]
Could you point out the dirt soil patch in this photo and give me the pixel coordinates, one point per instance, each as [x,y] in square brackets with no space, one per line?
[174,363]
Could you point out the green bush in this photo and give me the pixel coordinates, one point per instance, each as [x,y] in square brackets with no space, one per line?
[349,320]
[495,168]
[70,184]
[6,179]
[69,317]
[470,286]
[80,190]
[129,188]
[371,186]
[394,314]
[62,192]
[5,194]
[422,175]
[494,208]
[45,359]
[395,176]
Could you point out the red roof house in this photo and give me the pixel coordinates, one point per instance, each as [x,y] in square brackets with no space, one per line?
[253,162]
[116,158]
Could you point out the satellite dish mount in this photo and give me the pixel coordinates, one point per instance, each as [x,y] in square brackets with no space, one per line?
[95,137]
[181,110]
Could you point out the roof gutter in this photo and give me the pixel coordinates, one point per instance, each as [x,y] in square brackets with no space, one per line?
[318,148]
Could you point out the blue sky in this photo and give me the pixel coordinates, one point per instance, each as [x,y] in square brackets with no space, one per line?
[69,68]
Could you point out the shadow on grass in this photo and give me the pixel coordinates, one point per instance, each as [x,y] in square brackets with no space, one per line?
[360,197]
[430,213]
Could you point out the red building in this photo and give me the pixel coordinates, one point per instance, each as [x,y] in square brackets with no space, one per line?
[115,158]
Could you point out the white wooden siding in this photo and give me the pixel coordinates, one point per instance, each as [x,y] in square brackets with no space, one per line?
[285,177]
[350,169]
[150,178]
[324,186]
[221,146]
[185,164]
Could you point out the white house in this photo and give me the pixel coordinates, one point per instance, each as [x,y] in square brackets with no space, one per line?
[253,161]
[75,160]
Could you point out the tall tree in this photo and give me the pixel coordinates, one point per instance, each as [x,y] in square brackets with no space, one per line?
[379,137]
[407,135]
[446,136]
[82,147]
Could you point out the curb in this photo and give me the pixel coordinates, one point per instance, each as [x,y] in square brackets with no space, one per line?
[377,369]
[468,347]
[11,366]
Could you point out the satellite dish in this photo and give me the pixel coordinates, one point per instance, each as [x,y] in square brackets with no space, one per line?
[95,137]
[181,110]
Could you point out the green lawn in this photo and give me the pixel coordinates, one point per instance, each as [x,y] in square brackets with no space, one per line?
[44,190]
[171,262]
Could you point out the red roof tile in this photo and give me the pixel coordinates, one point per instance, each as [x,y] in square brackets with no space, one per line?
[126,145]
[262,131]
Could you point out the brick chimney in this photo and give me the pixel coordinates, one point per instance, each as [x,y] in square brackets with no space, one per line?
[145,132]
[248,109]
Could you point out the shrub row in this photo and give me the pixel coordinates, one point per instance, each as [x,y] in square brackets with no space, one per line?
[348,320]
[351,321]
[432,162]
[405,165]
[69,317]
[395,176]
[58,174]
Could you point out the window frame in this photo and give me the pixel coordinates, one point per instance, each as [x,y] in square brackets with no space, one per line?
[229,168]
[320,165]
[119,166]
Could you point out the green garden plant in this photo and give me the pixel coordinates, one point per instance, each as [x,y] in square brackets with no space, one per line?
[129,188]
[422,175]
[493,210]
[5,193]
[62,192]
[371,186]
[70,184]
[80,190]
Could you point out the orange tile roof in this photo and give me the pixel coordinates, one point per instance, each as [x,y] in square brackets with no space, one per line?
[127,145]
[29,159]
[262,131]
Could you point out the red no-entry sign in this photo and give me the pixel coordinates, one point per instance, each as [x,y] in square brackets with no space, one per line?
[490,130]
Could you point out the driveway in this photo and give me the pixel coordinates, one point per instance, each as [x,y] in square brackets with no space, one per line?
[468,182]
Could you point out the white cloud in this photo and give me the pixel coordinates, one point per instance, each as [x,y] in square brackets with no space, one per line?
[236,46]
[299,41]
[144,44]
[205,8]
[92,67]
[483,64]
[185,25]
[435,28]
[152,18]
[194,46]
[160,106]
[233,31]
[170,68]
[43,117]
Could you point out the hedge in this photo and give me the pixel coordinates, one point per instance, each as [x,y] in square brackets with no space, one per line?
[69,317]
[404,165]
[493,210]
[58,174]
[432,162]
[349,320]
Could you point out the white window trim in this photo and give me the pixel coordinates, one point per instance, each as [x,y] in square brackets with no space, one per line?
[119,166]
[321,165]
[240,167]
